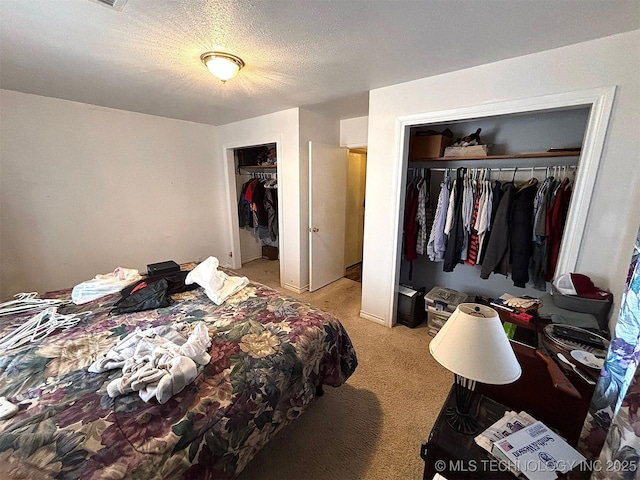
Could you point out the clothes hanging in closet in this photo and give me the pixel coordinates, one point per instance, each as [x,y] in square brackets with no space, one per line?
[521,231]
[437,244]
[474,225]
[411,224]
[556,218]
[492,209]
[455,239]
[271,206]
[258,209]
[504,228]
[424,216]
[538,263]
[496,258]
[418,218]
[245,217]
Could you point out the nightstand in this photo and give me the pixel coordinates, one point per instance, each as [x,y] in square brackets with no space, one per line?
[456,455]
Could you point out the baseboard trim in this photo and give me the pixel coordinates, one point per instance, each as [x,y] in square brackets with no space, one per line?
[374,318]
[295,289]
[250,259]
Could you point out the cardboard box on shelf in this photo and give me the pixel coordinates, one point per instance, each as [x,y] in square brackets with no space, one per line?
[474,151]
[427,146]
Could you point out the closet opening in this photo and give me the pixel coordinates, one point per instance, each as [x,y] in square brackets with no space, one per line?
[258,208]
[525,143]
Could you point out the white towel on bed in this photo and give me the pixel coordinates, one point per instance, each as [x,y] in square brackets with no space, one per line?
[158,362]
[102,285]
[217,285]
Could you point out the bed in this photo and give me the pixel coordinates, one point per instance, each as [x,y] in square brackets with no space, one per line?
[270,356]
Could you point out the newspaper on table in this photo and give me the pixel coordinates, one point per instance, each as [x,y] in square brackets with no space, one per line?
[537,452]
[510,423]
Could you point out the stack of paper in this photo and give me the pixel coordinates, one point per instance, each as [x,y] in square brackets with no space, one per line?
[537,452]
[510,423]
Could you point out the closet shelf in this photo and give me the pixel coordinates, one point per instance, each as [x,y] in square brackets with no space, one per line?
[501,157]
[257,167]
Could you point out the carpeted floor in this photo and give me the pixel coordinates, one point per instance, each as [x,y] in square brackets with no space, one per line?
[371,427]
[354,272]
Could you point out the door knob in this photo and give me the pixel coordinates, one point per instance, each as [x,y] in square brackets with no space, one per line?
[315,229]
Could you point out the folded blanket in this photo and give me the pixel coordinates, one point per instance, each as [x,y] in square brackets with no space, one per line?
[158,362]
[104,284]
[217,285]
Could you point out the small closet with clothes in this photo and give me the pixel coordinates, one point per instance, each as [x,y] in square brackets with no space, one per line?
[492,221]
[257,197]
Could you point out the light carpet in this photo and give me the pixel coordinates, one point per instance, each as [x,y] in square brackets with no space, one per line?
[373,426]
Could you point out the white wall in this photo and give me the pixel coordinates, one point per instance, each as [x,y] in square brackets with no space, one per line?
[282,128]
[613,217]
[85,189]
[353,132]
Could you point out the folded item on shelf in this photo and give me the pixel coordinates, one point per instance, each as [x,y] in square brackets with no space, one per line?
[523,303]
[549,311]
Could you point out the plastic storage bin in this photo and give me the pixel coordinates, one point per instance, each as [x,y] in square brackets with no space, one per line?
[441,299]
[598,308]
[437,320]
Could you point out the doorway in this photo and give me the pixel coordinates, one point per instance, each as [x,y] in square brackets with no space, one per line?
[257,216]
[354,224]
[336,213]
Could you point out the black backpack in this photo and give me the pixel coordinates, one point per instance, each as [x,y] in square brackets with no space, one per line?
[143,295]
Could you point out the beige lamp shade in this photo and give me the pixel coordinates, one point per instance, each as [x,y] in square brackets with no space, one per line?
[473,344]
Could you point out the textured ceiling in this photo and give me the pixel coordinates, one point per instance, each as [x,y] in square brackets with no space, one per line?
[145,58]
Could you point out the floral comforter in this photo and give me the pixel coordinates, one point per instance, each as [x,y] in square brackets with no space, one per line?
[268,356]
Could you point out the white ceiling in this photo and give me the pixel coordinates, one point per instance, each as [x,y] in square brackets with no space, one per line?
[146,58]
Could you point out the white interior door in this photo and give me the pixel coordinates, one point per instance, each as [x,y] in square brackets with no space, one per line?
[327,206]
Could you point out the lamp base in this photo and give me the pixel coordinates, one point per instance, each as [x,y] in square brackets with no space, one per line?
[461,422]
[459,417]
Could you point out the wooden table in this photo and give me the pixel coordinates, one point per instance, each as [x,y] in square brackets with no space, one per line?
[456,455]
[543,388]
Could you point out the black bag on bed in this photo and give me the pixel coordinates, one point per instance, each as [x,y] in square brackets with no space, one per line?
[175,280]
[143,295]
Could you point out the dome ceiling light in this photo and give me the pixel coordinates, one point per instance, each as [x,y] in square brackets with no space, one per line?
[222,65]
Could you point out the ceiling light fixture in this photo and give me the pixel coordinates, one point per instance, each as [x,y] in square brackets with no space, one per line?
[222,65]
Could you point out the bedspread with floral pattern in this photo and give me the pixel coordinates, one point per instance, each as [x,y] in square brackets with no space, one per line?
[269,353]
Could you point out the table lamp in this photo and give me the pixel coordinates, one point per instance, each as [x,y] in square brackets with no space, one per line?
[474,346]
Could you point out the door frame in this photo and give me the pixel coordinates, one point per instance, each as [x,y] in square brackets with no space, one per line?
[600,100]
[234,260]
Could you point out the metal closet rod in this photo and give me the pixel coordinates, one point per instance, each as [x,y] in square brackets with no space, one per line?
[503,169]
[264,175]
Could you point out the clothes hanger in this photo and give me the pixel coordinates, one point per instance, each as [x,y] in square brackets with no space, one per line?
[39,327]
[28,302]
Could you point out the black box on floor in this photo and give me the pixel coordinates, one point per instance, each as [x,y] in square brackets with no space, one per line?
[162,267]
[410,306]
[270,253]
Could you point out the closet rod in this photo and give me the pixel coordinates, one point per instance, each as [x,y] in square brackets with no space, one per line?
[503,169]
[264,175]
